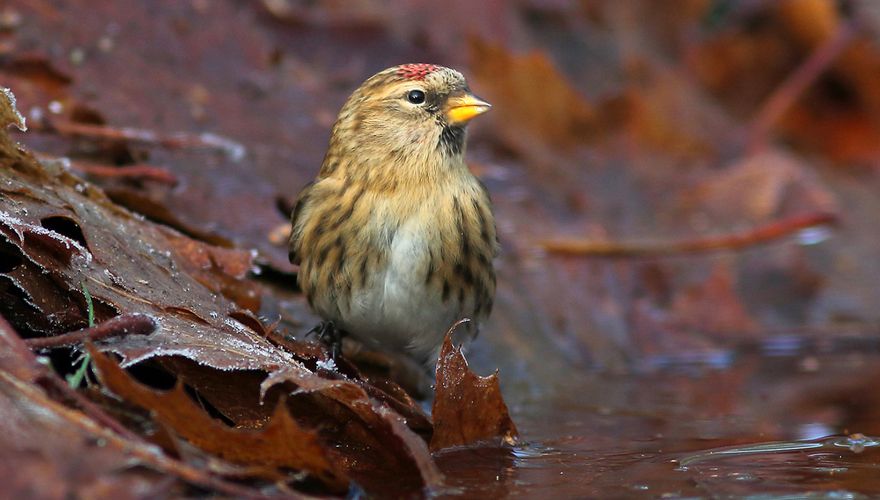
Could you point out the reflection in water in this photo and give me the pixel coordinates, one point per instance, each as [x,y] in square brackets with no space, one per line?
[484,472]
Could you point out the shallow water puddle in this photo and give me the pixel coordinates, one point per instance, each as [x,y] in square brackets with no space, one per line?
[757,426]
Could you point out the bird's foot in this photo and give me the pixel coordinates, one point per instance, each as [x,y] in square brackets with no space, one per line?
[330,336]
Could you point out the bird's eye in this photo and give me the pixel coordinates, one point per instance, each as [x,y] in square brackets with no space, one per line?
[415,96]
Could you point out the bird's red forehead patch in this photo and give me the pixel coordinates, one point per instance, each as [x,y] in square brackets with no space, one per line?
[416,71]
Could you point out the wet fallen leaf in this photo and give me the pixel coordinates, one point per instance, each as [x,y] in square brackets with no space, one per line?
[281,442]
[15,358]
[467,408]
[221,270]
[375,426]
[61,232]
[46,440]
[9,114]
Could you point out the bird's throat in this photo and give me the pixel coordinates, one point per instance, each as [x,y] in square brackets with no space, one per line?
[451,141]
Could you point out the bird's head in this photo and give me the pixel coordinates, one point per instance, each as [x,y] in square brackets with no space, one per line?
[411,116]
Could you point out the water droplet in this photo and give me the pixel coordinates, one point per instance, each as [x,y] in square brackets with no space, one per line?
[744,477]
[856,442]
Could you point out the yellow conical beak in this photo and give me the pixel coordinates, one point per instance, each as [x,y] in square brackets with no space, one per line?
[460,109]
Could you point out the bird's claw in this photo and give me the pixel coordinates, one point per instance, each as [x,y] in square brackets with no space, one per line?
[330,336]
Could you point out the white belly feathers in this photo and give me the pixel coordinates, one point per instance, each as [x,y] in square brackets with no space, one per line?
[395,308]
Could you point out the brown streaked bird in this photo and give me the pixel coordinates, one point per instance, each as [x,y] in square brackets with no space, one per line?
[395,238]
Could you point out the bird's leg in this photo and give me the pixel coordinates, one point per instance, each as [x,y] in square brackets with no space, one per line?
[319,328]
[330,336]
[333,339]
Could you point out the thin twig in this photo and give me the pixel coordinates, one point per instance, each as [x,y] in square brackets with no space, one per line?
[141,172]
[797,82]
[736,241]
[180,140]
[127,324]
[138,171]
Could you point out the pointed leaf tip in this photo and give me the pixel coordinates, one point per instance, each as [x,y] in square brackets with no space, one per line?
[467,408]
[9,114]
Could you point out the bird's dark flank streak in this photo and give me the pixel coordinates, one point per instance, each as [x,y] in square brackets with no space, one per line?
[340,262]
[362,273]
[483,223]
[466,274]
[343,216]
[331,166]
[322,255]
[431,267]
[464,238]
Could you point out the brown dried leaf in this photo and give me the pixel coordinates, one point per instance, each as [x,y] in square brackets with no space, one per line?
[46,440]
[15,358]
[381,428]
[221,270]
[381,387]
[60,233]
[198,257]
[48,451]
[9,115]
[467,408]
[280,443]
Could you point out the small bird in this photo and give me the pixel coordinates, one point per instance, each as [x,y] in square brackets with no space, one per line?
[395,239]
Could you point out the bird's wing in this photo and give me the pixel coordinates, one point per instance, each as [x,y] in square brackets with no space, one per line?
[296,235]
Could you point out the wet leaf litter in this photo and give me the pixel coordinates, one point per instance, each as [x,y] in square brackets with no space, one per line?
[59,231]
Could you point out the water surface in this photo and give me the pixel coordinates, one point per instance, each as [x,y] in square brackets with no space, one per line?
[789,418]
